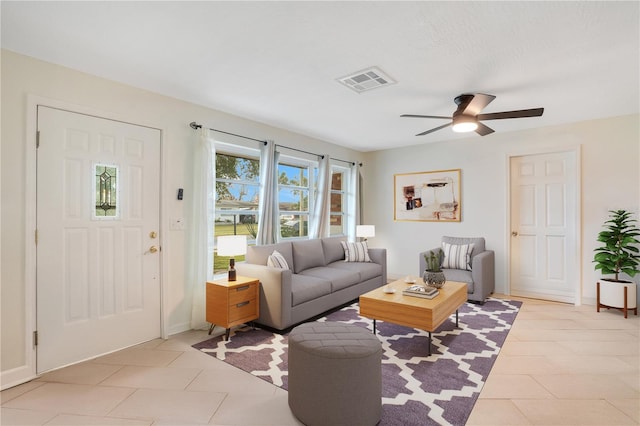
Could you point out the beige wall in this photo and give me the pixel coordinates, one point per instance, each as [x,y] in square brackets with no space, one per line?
[609,162]
[609,180]
[23,76]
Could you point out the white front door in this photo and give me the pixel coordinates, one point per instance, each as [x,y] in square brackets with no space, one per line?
[543,260]
[98,208]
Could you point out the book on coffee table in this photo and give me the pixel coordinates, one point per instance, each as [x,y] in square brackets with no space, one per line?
[418,290]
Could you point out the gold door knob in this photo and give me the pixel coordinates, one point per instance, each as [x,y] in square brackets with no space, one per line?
[514,233]
[153,249]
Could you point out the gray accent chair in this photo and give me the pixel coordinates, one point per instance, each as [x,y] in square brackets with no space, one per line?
[480,279]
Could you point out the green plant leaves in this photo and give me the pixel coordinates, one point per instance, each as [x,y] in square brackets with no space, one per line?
[620,251]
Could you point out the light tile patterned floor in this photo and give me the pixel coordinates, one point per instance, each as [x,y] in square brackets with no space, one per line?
[560,365]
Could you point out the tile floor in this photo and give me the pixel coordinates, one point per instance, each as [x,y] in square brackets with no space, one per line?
[560,365]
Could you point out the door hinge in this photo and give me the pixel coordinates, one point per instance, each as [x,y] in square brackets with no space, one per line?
[36,236]
[35,338]
[38,139]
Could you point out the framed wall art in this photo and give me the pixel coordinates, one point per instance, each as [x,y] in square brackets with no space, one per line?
[427,196]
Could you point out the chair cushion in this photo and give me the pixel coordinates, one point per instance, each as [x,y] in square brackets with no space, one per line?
[478,243]
[457,256]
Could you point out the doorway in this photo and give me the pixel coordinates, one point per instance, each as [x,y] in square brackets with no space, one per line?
[544,218]
[97,253]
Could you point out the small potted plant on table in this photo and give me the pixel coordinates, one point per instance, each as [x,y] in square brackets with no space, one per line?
[433,275]
[619,254]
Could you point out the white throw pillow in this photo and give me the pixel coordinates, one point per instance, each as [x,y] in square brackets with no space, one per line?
[355,252]
[277,260]
[457,256]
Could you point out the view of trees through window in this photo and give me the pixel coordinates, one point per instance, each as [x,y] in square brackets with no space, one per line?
[338,204]
[238,192]
[293,200]
[237,196]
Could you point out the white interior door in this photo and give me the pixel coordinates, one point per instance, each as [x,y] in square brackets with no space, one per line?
[98,208]
[543,260]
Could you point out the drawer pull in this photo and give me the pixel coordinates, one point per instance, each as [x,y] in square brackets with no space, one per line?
[243,288]
[240,305]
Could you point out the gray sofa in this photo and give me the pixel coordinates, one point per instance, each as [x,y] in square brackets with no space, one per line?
[318,279]
[480,279]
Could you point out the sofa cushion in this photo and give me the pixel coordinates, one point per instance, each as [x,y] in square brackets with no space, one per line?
[457,256]
[277,260]
[307,254]
[366,270]
[333,249]
[339,278]
[356,252]
[305,288]
[259,255]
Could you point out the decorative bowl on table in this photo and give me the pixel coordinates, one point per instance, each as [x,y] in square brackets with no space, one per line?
[434,279]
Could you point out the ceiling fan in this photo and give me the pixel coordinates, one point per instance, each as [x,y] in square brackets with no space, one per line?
[467,117]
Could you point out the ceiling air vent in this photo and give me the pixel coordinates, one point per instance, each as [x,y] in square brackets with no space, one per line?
[365,80]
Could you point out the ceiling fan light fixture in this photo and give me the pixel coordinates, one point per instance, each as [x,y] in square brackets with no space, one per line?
[464,124]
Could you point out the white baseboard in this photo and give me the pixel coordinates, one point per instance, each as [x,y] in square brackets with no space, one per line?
[16,376]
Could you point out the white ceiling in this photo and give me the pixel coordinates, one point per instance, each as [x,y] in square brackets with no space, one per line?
[277,62]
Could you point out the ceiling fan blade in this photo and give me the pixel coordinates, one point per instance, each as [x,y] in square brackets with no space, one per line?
[483,130]
[478,103]
[435,129]
[425,116]
[534,112]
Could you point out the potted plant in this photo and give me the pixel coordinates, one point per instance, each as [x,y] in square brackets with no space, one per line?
[619,254]
[433,275]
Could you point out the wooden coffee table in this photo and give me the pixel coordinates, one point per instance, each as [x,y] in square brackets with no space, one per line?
[415,312]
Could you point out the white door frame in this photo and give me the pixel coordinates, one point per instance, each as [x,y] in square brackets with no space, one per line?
[577,151]
[28,370]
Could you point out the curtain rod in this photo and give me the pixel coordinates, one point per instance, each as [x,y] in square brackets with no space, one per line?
[196,126]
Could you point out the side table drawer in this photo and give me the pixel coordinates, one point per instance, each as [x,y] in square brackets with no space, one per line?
[243,294]
[245,309]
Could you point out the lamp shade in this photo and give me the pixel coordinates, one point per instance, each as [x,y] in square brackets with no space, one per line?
[365,231]
[232,245]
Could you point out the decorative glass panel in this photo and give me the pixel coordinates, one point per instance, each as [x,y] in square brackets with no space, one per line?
[106,194]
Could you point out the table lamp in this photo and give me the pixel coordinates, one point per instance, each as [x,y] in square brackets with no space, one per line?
[365,231]
[232,245]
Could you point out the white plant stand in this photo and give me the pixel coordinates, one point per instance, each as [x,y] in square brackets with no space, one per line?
[616,295]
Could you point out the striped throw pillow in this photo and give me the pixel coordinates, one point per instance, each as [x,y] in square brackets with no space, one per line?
[457,256]
[277,260]
[356,252]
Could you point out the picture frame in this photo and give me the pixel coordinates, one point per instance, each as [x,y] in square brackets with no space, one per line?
[432,196]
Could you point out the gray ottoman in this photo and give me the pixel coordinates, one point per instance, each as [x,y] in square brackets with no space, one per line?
[335,374]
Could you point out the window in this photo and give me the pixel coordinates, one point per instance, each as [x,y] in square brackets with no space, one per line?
[339,204]
[237,192]
[294,203]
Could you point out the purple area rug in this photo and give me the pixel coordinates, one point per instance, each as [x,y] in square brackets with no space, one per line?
[416,389]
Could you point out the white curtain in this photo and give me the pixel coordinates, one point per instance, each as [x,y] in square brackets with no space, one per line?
[320,219]
[268,205]
[355,189]
[200,238]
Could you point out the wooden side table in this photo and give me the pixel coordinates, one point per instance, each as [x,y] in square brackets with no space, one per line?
[230,303]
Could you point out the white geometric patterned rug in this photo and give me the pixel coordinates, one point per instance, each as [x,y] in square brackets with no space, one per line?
[417,389]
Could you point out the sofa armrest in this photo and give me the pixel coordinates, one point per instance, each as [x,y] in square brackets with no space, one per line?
[275,293]
[423,263]
[379,256]
[483,272]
